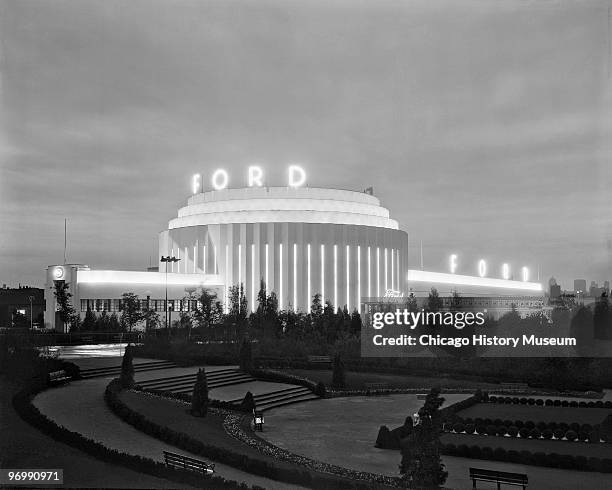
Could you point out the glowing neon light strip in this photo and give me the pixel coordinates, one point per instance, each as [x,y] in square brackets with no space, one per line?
[456,279]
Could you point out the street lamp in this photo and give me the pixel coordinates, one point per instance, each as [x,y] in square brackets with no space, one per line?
[31,298]
[167,260]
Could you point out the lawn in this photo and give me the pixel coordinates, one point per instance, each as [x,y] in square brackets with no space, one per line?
[536,413]
[358,380]
[585,449]
[23,446]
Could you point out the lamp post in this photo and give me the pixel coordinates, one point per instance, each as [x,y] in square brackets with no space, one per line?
[167,260]
[31,298]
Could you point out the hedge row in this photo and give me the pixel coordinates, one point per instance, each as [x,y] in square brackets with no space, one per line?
[186,397]
[226,456]
[525,432]
[22,402]
[279,377]
[514,400]
[552,460]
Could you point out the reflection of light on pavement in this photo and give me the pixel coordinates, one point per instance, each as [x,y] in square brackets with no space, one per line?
[94,350]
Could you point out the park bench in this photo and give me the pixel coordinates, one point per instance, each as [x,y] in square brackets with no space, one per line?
[58,377]
[499,477]
[319,359]
[181,462]
[514,386]
[87,338]
[376,386]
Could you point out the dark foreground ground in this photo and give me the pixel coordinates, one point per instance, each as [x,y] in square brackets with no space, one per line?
[24,447]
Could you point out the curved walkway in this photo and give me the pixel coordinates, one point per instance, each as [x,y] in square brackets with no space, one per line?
[80,407]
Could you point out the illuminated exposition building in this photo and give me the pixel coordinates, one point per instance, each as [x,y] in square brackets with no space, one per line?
[300,241]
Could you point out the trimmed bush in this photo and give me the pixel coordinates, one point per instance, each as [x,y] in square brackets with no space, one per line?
[535,433]
[513,431]
[524,433]
[571,435]
[458,427]
[547,434]
[558,433]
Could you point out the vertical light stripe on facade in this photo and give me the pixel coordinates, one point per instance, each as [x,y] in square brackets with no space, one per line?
[308,302]
[186,259]
[378,271]
[215,260]
[227,279]
[252,277]
[369,275]
[392,270]
[204,259]
[322,274]
[280,277]
[335,277]
[195,257]
[348,277]
[295,277]
[359,278]
[240,265]
[386,284]
[267,283]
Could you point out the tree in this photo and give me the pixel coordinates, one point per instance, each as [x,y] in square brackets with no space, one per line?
[127,368]
[66,311]
[245,355]
[602,319]
[89,322]
[316,309]
[208,309]
[199,400]
[151,318]
[421,465]
[131,314]
[434,302]
[238,305]
[103,322]
[338,376]
[355,323]
[411,303]
[114,325]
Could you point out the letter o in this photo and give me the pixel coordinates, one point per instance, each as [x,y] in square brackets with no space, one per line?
[482,268]
[220,174]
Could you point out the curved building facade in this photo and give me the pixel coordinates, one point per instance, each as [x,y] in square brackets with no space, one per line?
[299,241]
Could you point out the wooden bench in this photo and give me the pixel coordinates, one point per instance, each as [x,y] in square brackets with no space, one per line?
[319,359]
[499,477]
[181,462]
[376,386]
[58,377]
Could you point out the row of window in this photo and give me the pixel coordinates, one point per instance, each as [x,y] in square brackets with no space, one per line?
[116,305]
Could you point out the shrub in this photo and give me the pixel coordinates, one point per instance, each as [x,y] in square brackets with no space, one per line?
[583,436]
[539,402]
[523,401]
[548,402]
[531,401]
[557,403]
[558,433]
[524,433]
[513,431]
[529,425]
[547,434]
[571,435]
[493,399]
[320,389]
[575,426]
[535,433]
[199,400]
[519,423]
[458,427]
[470,428]
[501,430]
[481,429]
[573,404]
[542,426]
[491,430]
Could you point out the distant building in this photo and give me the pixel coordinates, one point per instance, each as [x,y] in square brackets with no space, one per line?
[20,306]
[595,291]
[555,291]
[580,286]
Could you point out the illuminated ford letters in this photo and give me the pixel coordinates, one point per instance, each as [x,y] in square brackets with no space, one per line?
[255,178]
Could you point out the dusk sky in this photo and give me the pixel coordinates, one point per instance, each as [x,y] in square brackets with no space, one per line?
[484,126]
